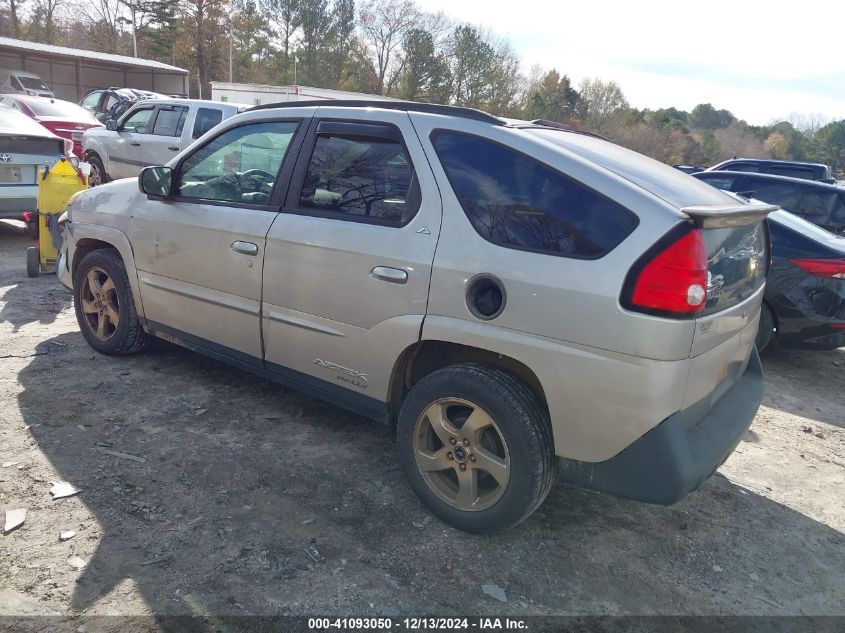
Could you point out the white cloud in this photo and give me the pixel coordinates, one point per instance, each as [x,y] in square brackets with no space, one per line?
[753,58]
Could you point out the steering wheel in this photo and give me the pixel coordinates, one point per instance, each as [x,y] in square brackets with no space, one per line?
[264,175]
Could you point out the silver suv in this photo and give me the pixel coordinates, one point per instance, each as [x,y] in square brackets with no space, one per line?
[520,301]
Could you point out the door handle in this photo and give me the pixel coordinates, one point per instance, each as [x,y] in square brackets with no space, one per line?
[135,144]
[244,248]
[173,148]
[391,275]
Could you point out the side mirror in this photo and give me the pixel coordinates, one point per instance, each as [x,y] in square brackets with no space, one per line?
[156,181]
[111,125]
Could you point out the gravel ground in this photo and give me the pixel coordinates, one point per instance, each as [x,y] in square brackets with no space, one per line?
[230,478]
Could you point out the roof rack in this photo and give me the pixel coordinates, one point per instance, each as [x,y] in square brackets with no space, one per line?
[568,128]
[429,108]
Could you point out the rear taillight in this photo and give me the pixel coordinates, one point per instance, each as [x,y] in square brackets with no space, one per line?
[834,268]
[671,279]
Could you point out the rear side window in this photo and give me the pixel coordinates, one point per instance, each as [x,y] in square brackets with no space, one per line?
[169,121]
[722,182]
[783,194]
[747,167]
[515,201]
[206,119]
[792,172]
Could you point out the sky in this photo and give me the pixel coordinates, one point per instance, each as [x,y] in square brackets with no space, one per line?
[761,60]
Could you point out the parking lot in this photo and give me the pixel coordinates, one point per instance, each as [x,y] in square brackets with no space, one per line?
[202,486]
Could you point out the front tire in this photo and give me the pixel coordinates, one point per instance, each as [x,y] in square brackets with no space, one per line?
[98,175]
[476,446]
[104,306]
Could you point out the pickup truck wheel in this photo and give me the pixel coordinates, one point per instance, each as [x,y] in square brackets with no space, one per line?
[476,446]
[98,174]
[104,306]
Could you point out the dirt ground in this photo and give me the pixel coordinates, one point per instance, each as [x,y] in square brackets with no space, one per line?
[235,477]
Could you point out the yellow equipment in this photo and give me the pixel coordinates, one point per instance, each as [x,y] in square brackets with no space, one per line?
[55,186]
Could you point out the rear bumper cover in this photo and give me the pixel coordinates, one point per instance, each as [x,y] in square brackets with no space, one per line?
[672,459]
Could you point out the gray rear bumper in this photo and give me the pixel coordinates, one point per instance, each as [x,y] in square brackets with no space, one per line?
[672,459]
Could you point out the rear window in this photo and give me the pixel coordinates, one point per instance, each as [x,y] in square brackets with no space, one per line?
[27,145]
[736,265]
[49,107]
[515,201]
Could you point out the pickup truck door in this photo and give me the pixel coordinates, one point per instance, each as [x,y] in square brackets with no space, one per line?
[123,146]
[349,258]
[200,251]
[164,138]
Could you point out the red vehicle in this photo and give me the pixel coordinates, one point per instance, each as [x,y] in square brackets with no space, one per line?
[62,118]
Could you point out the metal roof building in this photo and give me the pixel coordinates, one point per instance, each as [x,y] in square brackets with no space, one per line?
[73,72]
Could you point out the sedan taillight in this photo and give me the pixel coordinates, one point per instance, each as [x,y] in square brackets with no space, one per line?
[833,268]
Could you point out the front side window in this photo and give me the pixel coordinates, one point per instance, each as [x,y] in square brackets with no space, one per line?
[240,165]
[169,121]
[518,202]
[90,102]
[137,121]
[362,177]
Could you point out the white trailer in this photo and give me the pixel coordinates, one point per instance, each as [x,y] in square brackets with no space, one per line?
[260,94]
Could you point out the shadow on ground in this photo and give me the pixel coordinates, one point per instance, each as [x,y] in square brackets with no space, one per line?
[240,476]
[809,384]
[26,300]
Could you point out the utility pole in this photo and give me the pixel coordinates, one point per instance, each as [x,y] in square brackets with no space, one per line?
[230,42]
[133,6]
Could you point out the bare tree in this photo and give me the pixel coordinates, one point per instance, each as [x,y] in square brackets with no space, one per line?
[383,25]
[808,124]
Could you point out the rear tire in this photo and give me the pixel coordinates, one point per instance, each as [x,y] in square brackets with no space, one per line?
[476,446]
[104,306]
[33,261]
[766,333]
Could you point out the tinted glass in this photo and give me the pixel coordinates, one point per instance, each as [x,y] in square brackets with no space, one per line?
[137,121]
[785,195]
[92,100]
[721,182]
[748,167]
[33,83]
[518,202]
[56,108]
[367,178]
[240,165]
[206,119]
[792,172]
[169,122]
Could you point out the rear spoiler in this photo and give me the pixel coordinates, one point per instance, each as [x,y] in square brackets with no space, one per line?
[731,215]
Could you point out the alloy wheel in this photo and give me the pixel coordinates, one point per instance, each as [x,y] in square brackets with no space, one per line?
[100,304]
[461,454]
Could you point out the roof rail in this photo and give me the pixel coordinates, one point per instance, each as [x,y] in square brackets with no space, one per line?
[568,128]
[408,106]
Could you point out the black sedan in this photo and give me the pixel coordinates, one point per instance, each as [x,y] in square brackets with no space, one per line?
[804,301]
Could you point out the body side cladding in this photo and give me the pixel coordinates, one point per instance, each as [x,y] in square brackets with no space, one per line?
[335,394]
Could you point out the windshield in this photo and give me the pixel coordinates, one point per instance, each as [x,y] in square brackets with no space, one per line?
[33,83]
[64,109]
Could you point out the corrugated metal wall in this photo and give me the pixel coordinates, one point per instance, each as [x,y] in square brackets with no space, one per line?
[60,74]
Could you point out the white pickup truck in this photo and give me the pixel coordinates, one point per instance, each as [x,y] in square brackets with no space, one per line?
[150,133]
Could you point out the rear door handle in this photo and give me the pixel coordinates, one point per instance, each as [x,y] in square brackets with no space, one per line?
[389,274]
[244,248]
[135,144]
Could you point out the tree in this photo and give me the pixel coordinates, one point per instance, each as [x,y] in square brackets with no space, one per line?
[203,35]
[43,23]
[384,25]
[285,18]
[550,97]
[315,21]
[425,73]
[705,117]
[598,101]
[829,144]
